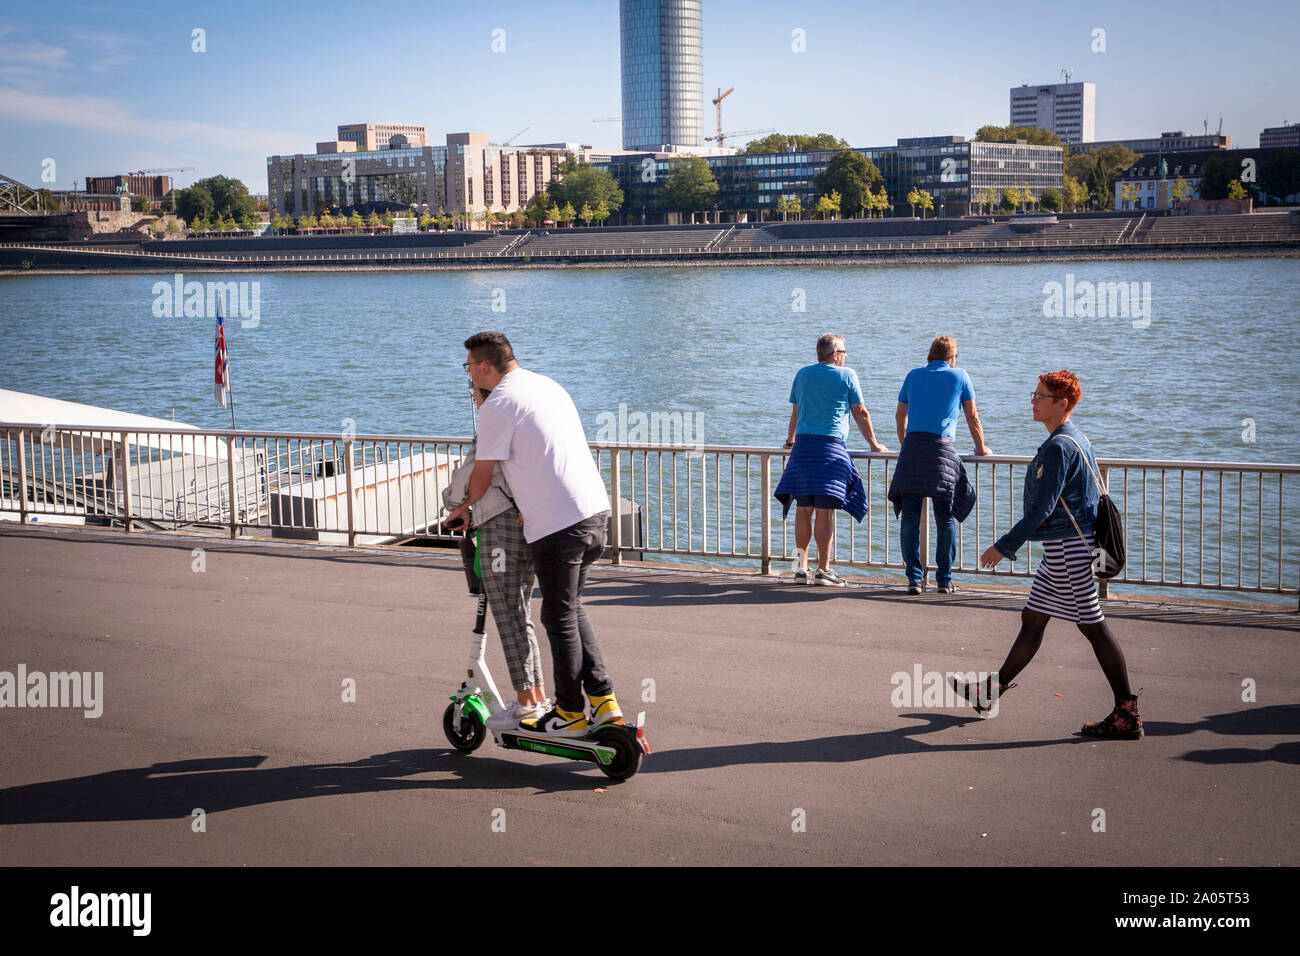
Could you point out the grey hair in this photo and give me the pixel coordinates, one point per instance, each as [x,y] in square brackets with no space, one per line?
[828,345]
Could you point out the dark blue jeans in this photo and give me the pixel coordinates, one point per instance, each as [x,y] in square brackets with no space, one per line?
[909,535]
[561,561]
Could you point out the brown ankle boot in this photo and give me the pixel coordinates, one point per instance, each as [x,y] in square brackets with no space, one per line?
[1123,723]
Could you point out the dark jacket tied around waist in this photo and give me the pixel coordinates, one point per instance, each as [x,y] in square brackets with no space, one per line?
[820,465]
[929,467]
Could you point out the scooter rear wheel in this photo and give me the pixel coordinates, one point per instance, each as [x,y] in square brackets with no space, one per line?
[627,755]
[471,733]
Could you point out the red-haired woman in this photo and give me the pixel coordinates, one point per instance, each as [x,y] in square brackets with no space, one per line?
[1060,492]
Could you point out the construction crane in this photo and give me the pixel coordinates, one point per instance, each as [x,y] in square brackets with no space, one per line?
[167,169]
[722,137]
[607,119]
[718,103]
[516,136]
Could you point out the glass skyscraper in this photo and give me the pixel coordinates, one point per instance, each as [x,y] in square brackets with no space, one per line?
[663,73]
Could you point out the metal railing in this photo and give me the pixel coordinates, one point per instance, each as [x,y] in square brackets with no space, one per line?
[1215,526]
[519,252]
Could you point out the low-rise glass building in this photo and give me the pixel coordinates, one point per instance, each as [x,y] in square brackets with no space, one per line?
[954,171]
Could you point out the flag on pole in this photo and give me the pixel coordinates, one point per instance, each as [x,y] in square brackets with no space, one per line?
[221,384]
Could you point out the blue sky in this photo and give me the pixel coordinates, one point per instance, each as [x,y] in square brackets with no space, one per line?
[104,88]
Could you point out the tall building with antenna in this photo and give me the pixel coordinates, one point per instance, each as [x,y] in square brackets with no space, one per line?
[663,73]
[1068,109]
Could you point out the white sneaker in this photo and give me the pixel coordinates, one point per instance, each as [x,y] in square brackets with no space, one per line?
[509,718]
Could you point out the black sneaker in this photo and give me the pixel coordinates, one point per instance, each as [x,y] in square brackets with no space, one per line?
[948,588]
[914,588]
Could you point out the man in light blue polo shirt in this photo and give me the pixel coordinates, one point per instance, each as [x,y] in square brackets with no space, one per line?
[928,466]
[819,476]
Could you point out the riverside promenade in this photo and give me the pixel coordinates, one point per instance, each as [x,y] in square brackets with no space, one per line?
[768,710]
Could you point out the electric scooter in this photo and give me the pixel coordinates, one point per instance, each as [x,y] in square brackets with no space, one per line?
[615,747]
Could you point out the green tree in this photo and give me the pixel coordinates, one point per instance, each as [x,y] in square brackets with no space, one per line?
[829,204]
[586,213]
[1216,174]
[852,175]
[1074,193]
[1010,134]
[424,221]
[141,204]
[798,142]
[327,221]
[602,213]
[1051,199]
[172,227]
[194,203]
[566,213]
[1010,199]
[689,186]
[1279,177]
[926,201]
[1128,193]
[388,218]
[156,228]
[1236,190]
[1181,189]
[581,184]
[913,197]
[372,220]
[1099,169]
[216,194]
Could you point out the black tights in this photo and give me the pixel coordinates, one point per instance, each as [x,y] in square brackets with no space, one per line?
[1030,638]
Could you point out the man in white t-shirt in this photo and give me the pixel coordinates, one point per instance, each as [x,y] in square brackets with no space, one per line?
[530,425]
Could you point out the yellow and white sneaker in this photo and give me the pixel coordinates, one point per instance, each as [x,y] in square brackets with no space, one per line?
[604,709]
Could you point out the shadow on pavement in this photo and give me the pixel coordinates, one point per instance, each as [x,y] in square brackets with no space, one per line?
[1276,720]
[173,790]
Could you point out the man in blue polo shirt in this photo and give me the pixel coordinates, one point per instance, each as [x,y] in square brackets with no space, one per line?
[928,464]
[819,476]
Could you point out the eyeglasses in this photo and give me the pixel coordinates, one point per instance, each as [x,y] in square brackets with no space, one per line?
[467,365]
[1040,396]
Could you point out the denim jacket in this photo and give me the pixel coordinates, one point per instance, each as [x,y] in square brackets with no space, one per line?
[1057,471]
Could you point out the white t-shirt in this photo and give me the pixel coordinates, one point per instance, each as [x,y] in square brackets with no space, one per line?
[530,425]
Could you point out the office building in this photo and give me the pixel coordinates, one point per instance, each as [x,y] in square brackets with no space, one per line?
[1286,136]
[468,174]
[663,73]
[1166,142]
[154,187]
[955,172]
[372,136]
[1067,109]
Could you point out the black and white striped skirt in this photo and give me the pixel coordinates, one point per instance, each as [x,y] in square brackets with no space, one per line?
[1063,584]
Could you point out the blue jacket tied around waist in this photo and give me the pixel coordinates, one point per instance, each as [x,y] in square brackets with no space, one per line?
[929,467]
[820,465]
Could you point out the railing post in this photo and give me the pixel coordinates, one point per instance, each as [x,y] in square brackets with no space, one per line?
[124,461]
[352,530]
[230,478]
[765,502]
[22,476]
[1103,588]
[615,511]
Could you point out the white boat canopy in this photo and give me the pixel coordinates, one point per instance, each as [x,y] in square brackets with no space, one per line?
[75,420]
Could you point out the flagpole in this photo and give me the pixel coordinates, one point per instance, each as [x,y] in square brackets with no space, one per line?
[221,304]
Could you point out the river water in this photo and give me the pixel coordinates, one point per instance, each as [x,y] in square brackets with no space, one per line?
[1205,371]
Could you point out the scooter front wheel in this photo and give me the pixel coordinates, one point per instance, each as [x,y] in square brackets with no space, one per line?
[627,755]
[471,733]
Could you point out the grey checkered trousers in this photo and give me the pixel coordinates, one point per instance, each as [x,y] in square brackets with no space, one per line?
[510,592]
